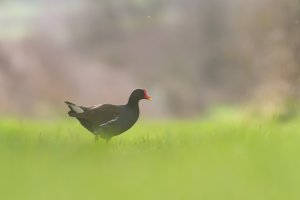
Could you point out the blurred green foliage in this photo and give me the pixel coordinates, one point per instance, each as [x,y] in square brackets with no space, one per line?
[207,159]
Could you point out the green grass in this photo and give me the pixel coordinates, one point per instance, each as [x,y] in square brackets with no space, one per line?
[207,159]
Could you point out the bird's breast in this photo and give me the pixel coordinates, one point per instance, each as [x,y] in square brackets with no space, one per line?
[128,119]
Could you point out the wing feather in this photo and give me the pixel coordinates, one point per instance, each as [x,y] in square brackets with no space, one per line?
[101,115]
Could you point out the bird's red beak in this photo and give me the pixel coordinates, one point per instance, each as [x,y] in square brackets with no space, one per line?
[146,96]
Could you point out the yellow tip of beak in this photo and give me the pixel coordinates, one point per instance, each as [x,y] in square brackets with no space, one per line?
[150,98]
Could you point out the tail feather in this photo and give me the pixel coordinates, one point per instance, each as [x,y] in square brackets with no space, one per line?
[74,108]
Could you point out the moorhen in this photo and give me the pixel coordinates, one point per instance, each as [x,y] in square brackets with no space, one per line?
[109,120]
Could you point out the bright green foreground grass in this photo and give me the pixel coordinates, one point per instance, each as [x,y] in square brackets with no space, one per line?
[211,159]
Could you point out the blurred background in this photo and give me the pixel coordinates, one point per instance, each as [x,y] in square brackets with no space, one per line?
[191,55]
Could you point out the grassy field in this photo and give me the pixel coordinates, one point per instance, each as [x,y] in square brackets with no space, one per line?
[203,159]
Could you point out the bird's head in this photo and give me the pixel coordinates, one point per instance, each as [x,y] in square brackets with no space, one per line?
[138,95]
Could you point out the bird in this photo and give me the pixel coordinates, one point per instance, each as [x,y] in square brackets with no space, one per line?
[107,120]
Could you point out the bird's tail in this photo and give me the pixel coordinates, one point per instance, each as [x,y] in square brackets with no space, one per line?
[74,108]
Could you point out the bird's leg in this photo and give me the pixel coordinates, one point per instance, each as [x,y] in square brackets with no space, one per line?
[107,140]
[96,138]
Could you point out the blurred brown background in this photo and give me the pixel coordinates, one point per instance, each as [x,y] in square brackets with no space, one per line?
[190,54]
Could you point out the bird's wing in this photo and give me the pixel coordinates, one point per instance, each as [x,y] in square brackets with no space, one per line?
[94,107]
[102,115]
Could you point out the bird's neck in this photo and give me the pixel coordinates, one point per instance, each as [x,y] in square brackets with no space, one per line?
[133,103]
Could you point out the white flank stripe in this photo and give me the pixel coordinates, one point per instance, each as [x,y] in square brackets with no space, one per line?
[113,120]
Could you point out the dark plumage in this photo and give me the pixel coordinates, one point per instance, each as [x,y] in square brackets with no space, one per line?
[109,120]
